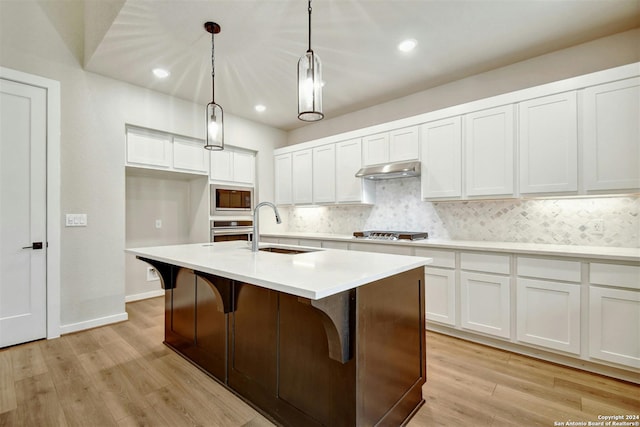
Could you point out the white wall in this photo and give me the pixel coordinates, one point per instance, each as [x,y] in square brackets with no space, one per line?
[608,52]
[95,110]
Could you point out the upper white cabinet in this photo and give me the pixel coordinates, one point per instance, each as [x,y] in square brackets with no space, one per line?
[350,189]
[394,146]
[548,142]
[489,145]
[232,165]
[375,149]
[283,170]
[611,136]
[159,150]
[324,174]
[404,144]
[302,173]
[442,159]
[148,148]
[189,155]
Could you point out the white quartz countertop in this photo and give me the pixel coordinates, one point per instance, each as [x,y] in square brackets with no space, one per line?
[314,275]
[575,251]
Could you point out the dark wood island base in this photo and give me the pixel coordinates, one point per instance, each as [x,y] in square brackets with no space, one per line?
[356,358]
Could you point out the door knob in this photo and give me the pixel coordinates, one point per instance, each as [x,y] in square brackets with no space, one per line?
[34,245]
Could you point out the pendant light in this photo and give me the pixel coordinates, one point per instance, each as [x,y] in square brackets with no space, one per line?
[309,83]
[215,118]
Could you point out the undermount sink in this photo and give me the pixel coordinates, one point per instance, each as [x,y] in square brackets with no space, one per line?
[287,250]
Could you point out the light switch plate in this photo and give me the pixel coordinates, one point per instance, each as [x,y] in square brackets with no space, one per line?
[76,220]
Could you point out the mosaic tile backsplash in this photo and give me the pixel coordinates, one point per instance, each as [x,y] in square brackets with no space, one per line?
[553,221]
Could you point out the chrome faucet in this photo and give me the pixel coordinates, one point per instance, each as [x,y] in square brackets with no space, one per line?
[256,227]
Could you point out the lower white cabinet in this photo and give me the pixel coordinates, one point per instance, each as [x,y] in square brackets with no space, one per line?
[614,322]
[548,314]
[485,303]
[440,295]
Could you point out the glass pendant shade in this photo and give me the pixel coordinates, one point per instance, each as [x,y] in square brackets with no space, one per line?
[310,87]
[215,127]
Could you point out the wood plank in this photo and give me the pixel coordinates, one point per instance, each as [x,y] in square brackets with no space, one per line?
[82,403]
[39,402]
[8,400]
[27,361]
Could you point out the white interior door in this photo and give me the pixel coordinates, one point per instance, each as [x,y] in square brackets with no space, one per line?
[23,247]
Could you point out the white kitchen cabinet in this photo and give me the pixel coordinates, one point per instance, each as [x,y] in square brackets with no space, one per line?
[485,303]
[380,248]
[148,148]
[189,155]
[283,170]
[614,323]
[230,165]
[350,189]
[375,149]
[394,146]
[302,177]
[324,174]
[442,159]
[548,142]
[440,285]
[611,136]
[489,147]
[404,144]
[440,295]
[548,314]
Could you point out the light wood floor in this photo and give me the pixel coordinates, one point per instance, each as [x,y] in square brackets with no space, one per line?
[122,375]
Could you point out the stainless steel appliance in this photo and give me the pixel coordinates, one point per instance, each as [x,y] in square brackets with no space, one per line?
[391,235]
[224,231]
[230,200]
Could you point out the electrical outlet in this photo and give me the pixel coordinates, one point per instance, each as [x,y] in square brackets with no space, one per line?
[597,227]
[152,274]
[158,223]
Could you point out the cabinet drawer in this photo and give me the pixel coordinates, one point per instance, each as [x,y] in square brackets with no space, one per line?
[330,244]
[446,259]
[385,249]
[626,276]
[544,268]
[310,243]
[489,263]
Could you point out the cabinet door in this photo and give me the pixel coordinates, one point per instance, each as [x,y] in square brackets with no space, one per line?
[549,314]
[485,303]
[244,166]
[489,152]
[614,325]
[283,177]
[375,149]
[302,176]
[404,144]
[149,149]
[442,158]
[190,156]
[348,162]
[440,295]
[611,132]
[324,174]
[548,138]
[221,165]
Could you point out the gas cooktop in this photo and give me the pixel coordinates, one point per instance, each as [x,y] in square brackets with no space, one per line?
[391,235]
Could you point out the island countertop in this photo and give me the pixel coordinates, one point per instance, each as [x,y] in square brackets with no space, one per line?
[316,274]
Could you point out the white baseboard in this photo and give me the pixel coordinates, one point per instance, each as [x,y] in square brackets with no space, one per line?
[93,323]
[144,295]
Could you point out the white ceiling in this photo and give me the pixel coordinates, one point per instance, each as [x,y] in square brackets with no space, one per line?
[261,40]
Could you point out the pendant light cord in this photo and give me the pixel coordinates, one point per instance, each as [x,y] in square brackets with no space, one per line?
[309,50]
[213,70]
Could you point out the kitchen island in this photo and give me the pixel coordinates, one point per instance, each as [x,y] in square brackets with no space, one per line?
[307,336]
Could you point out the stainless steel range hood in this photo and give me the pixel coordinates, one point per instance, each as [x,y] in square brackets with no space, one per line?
[390,170]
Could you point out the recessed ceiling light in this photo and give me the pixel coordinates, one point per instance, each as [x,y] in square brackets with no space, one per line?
[260,108]
[407,45]
[161,73]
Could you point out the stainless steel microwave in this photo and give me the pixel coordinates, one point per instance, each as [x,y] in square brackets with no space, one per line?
[230,200]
